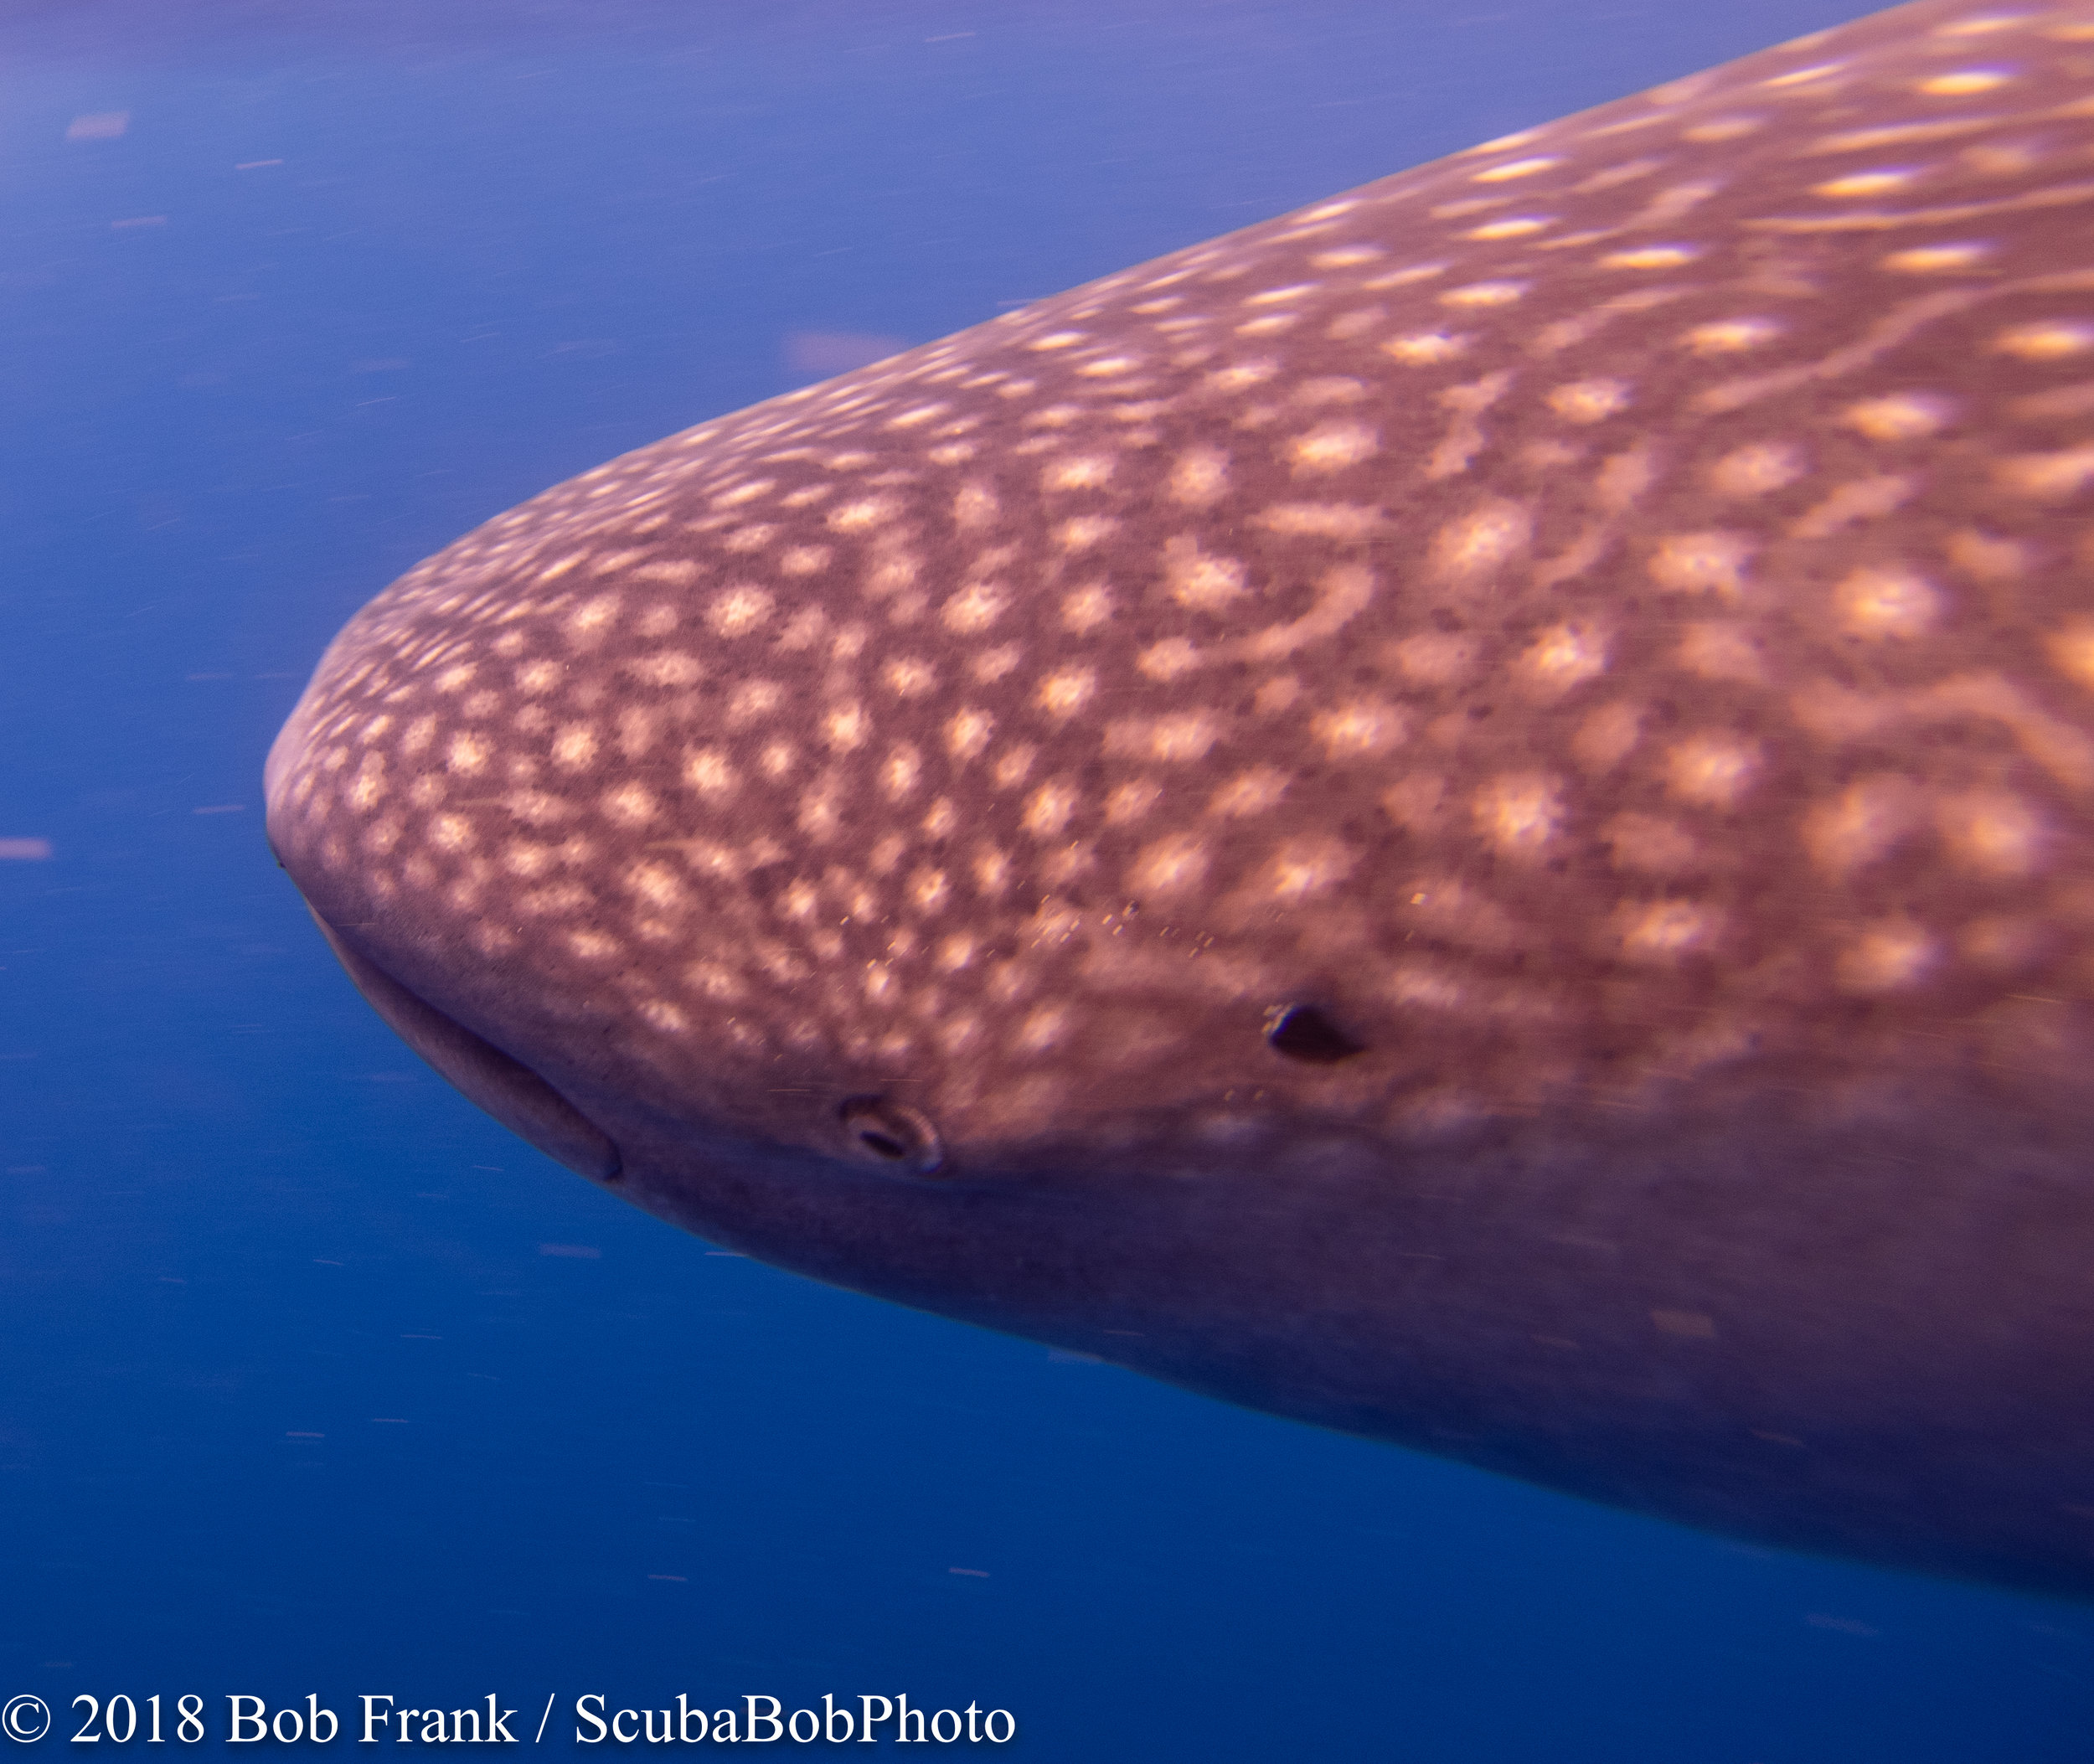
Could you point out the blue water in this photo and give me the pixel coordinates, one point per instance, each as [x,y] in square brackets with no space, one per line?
[312,1379]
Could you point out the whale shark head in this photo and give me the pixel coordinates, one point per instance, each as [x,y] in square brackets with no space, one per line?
[1560,671]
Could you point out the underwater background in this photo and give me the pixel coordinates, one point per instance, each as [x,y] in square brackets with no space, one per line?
[315,1380]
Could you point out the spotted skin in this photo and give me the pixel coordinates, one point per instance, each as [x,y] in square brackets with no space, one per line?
[1594,626]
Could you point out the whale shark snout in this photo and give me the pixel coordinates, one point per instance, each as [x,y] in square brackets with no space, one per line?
[1464,815]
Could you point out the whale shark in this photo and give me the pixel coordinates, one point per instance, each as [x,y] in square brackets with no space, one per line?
[1462,816]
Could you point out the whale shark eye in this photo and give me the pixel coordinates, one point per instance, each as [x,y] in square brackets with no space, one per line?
[883,1132]
[1302,1032]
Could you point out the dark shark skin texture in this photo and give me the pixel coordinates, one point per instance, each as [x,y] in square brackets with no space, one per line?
[1463,816]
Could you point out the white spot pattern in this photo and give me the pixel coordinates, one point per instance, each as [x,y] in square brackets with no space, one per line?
[1620,579]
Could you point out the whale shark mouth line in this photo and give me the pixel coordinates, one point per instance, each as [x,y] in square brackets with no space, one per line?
[504,1086]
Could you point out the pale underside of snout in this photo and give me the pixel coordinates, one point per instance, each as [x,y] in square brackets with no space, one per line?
[1860,1338]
